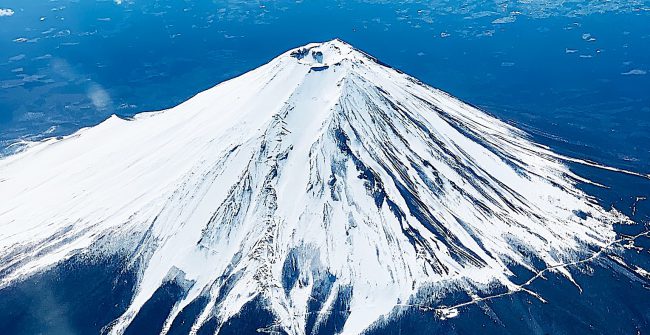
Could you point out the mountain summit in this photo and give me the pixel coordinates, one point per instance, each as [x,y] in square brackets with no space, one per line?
[324,188]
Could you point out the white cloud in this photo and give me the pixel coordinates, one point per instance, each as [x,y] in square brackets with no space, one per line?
[6,12]
[99,96]
[637,72]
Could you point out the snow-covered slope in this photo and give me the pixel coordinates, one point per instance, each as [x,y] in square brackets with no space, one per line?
[322,172]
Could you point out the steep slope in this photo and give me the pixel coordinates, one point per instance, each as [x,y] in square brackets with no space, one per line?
[320,183]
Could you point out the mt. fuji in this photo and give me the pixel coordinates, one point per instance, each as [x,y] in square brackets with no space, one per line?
[323,192]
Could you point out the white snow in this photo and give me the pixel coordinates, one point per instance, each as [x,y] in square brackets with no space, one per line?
[361,171]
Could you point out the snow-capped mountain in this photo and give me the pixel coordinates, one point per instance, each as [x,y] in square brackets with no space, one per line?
[321,183]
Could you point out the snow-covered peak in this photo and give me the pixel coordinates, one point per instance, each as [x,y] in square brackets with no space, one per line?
[321,176]
[326,53]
